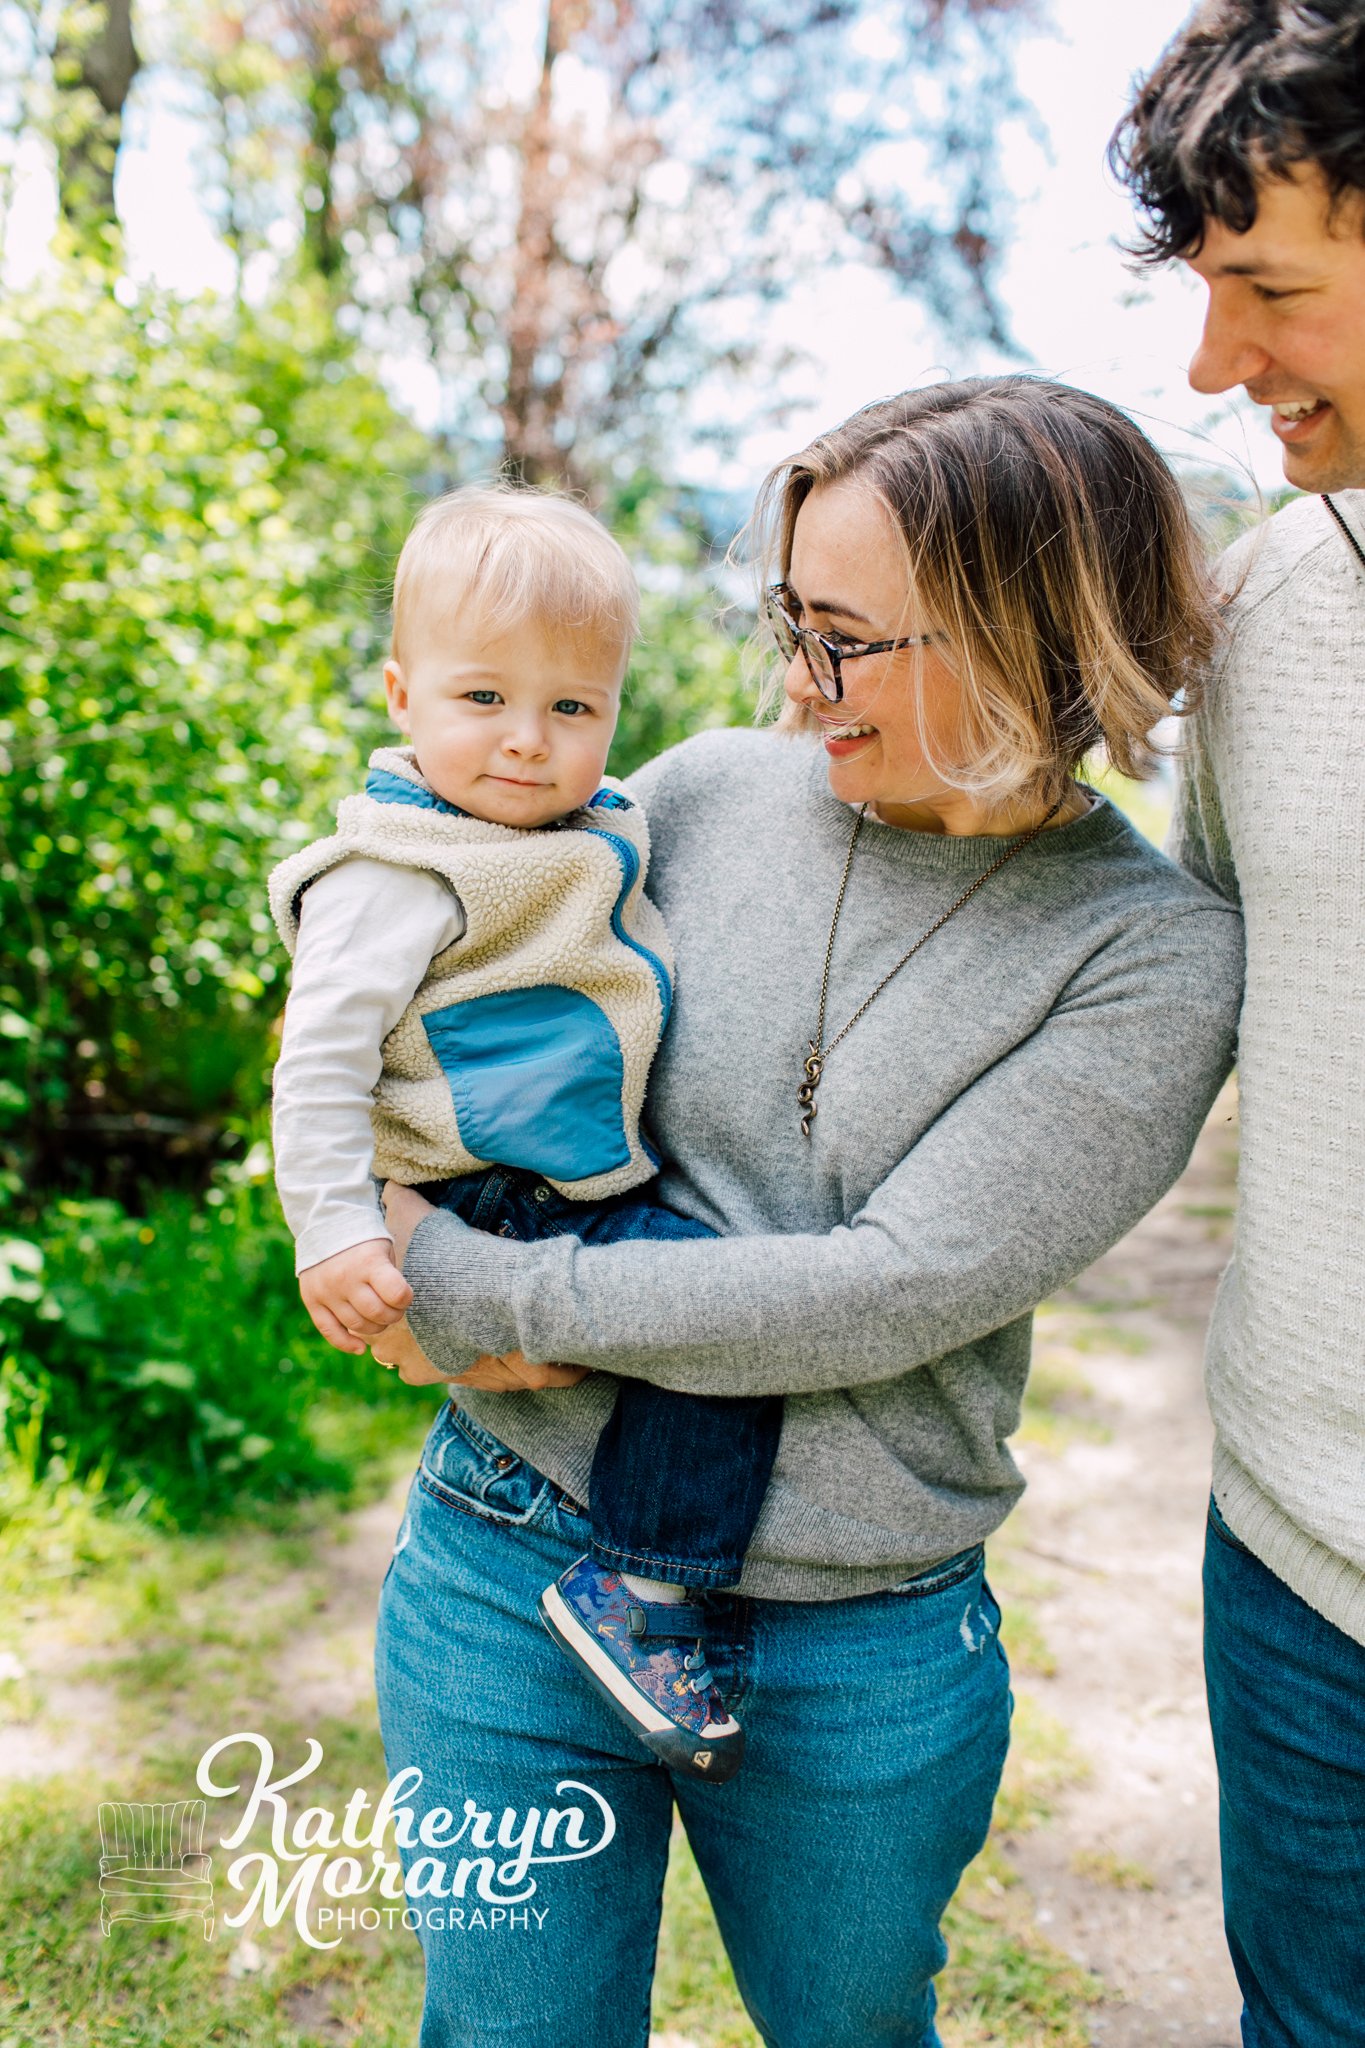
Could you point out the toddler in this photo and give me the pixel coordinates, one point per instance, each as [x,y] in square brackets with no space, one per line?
[480,984]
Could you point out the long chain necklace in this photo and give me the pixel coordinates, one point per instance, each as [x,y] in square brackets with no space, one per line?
[1351,540]
[814,1064]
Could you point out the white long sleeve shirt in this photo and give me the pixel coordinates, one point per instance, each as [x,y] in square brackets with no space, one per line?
[368,932]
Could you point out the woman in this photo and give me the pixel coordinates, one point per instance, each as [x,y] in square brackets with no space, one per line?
[974,585]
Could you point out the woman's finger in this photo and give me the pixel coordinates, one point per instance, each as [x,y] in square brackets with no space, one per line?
[491,1374]
[549,1375]
[418,1371]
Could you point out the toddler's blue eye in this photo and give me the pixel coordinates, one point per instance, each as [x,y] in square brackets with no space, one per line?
[571,705]
[483,696]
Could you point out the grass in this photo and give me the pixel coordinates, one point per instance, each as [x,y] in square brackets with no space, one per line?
[181,1636]
[184,1634]
[1102,1866]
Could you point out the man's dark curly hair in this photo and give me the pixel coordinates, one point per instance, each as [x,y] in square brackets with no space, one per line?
[1248,89]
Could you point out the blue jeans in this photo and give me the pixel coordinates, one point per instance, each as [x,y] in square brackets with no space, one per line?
[876,1730]
[677,1479]
[1287,1703]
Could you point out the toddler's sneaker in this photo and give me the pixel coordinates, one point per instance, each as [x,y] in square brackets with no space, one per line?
[634,1652]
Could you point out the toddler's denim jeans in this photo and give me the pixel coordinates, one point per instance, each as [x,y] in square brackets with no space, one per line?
[1287,1703]
[677,1479]
[876,1729]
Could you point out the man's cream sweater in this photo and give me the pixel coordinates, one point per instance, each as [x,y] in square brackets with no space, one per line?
[1272,814]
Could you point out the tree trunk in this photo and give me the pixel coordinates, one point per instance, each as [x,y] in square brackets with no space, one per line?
[529,407]
[321,239]
[94,63]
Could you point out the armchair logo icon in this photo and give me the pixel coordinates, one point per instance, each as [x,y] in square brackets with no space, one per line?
[153,1866]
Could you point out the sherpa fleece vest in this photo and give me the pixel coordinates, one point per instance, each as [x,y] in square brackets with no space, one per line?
[529,1041]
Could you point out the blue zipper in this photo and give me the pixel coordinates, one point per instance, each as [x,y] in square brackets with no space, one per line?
[630,866]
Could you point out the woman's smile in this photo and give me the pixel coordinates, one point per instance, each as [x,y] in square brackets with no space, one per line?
[844,740]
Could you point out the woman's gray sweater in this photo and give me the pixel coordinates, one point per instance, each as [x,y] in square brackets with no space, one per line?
[1010,1105]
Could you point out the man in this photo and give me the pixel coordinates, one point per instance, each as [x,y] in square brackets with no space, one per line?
[1245,152]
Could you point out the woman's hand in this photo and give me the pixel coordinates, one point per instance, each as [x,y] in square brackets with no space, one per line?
[513,1371]
[399,1348]
[403,1210]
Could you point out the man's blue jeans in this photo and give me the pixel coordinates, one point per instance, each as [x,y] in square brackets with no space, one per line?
[876,1730]
[1287,1703]
[677,1479]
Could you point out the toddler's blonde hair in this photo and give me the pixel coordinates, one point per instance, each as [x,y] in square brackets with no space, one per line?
[517,554]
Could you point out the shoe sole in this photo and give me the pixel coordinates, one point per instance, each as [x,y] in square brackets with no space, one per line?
[681,1751]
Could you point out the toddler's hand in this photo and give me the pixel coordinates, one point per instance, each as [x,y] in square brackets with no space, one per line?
[355,1294]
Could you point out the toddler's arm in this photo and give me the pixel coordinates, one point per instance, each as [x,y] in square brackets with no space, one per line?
[368,931]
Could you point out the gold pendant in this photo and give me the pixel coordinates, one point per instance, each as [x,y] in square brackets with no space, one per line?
[805,1094]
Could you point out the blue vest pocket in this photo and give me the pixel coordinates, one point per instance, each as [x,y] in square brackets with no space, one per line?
[536,1076]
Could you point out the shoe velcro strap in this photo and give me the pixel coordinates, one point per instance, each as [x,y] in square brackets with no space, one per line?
[665,1618]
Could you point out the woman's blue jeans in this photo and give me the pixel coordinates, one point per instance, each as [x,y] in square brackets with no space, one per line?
[1287,1704]
[876,1730]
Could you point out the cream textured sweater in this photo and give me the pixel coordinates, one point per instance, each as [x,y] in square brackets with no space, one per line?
[528,1039]
[1273,815]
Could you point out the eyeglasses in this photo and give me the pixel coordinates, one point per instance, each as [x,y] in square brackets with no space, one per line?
[824,657]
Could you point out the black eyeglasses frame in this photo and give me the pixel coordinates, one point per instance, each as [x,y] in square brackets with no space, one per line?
[778,615]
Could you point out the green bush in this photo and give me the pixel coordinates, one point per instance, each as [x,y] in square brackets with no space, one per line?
[199,507]
[167,1357]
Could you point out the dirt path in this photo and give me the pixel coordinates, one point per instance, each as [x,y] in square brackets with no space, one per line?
[1125,1878]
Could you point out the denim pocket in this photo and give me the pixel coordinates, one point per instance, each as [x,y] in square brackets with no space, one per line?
[1220,1529]
[469,1469]
[939,1577]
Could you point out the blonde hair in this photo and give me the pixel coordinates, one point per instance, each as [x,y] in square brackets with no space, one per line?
[518,554]
[1048,546]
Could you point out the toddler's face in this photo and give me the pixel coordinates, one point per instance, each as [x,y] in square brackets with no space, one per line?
[511,725]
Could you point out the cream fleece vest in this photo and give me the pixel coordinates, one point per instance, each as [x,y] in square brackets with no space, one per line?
[529,1041]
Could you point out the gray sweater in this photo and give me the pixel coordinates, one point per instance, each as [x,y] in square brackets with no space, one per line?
[1011,1104]
[1273,815]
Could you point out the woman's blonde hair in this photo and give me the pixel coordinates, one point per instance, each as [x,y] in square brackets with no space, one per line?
[516,554]
[1048,547]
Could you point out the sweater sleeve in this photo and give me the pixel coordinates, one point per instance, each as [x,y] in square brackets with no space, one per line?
[1198,838]
[368,931]
[1033,1172]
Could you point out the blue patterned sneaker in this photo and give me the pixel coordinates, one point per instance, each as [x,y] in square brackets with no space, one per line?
[634,1652]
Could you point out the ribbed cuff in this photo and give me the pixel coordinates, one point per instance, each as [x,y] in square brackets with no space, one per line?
[461,1282]
[1332,1585]
[341,1234]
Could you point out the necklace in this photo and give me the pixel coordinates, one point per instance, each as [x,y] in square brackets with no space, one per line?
[1351,540]
[814,1064]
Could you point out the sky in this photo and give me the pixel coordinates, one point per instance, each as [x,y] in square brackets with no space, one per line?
[1074,305]
[1075,308]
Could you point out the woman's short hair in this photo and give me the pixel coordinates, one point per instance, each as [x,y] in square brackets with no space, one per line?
[514,554]
[1049,549]
[1247,90]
